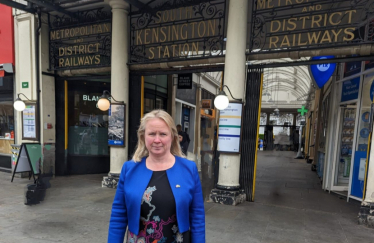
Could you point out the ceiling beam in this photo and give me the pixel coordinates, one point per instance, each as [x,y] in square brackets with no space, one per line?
[53,6]
[18,6]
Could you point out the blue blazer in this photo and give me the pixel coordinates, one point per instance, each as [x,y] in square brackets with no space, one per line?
[188,196]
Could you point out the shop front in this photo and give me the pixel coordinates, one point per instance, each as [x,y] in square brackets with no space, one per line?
[7,125]
[87,127]
[6,122]
[350,135]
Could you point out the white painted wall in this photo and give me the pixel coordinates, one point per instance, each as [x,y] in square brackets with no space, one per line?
[47,86]
[24,28]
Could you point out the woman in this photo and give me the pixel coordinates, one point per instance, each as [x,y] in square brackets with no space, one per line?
[159,196]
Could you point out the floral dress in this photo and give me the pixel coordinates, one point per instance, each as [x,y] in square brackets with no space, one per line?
[158,221]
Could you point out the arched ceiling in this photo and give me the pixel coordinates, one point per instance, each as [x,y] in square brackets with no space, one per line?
[286,85]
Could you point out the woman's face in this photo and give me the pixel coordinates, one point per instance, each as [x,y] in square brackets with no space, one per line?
[158,137]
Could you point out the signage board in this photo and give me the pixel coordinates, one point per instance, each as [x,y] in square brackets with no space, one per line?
[305,24]
[185,81]
[177,30]
[7,35]
[29,159]
[321,73]
[82,44]
[29,121]
[206,103]
[229,131]
[25,85]
[350,89]
[117,125]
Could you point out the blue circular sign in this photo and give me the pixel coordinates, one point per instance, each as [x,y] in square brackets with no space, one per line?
[365,117]
[364,133]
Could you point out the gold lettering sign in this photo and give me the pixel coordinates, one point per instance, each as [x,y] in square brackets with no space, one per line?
[80,46]
[177,33]
[80,31]
[289,24]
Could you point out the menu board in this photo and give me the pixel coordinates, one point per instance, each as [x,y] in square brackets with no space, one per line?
[29,122]
[229,132]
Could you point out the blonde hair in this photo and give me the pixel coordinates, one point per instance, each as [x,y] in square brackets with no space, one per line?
[141,150]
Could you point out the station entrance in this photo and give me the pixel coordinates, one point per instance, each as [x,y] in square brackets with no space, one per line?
[328,126]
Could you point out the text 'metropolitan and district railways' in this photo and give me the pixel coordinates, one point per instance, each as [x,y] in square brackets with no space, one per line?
[283,24]
[79,46]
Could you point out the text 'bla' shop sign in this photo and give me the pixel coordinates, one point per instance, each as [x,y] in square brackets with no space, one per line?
[300,24]
[80,44]
[176,30]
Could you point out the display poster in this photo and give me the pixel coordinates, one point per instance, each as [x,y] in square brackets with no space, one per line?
[116,129]
[29,122]
[229,131]
[350,89]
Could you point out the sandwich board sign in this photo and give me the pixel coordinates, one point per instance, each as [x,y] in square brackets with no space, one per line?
[29,159]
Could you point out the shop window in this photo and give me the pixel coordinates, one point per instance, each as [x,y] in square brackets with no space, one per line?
[6,114]
[88,126]
[155,92]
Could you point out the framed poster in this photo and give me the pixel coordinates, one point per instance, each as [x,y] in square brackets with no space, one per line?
[230,128]
[117,125]
[29,121]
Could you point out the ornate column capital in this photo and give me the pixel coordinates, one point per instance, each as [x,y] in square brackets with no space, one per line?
[119,4]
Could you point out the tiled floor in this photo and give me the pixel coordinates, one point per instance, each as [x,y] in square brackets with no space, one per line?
[289,207]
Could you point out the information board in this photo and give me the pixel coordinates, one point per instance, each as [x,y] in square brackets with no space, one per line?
[29,121]
[229,132]
[350,89]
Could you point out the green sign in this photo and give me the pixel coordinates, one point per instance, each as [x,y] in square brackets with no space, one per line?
[35,154]
[25,85]
[302,111]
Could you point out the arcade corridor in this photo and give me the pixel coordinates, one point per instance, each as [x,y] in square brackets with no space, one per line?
[289,206]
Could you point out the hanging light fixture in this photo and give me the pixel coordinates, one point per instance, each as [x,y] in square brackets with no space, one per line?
[18,104]
[104,103]
[221,101]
